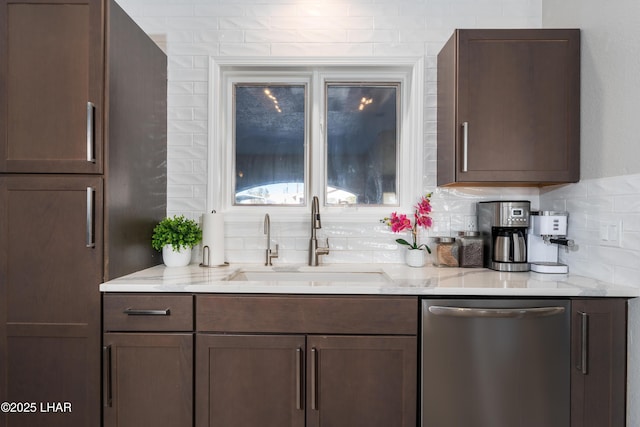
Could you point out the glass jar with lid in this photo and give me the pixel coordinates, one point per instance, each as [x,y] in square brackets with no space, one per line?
[447,249]
[471,249]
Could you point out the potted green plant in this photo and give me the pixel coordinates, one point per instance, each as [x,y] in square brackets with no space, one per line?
[176,237]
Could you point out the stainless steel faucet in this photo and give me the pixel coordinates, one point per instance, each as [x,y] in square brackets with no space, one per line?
[314,250]
[269,255]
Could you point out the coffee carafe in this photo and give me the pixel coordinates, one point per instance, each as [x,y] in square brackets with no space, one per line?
[503,226]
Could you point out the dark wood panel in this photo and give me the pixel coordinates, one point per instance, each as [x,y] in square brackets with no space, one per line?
[49,274]
[519,93]
[151,382]
[362,381]
[291,314]
[598,398]
[52,363]
[136,167]
[178,309]
[53,55]
[250,380]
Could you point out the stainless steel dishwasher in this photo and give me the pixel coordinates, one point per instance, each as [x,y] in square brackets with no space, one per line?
[495,363]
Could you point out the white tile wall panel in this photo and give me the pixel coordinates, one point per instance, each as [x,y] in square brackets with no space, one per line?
[180,166]
[181,191]
[398,49]
[183,113]
[185,152]
[322,49]
[180,88]
[195,100]
[177,140]
[217,36]
[190,126]
[209,9]
[244,23]
[370,36]
[191,23]
[245,49]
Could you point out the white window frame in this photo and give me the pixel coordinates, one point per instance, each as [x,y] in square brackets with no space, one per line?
[315,71]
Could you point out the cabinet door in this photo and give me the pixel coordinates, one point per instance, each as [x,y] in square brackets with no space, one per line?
[51,86]
[361,381]
[148,380]
[598,377]
[49,298]
[516,114]
[250,380]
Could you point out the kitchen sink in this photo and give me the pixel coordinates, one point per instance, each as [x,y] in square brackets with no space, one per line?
[310,276]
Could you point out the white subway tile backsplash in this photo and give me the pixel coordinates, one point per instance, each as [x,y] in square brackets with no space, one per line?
[594,204]
[192,31]
[322,49]
[371,36]
[245,49]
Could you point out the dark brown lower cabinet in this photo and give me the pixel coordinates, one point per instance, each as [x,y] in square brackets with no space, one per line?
[148,380]
[283,380]
[599,351]
[250,380]
[361,381]
[50,269]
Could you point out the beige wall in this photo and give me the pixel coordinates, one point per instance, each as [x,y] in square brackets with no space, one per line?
[610,134]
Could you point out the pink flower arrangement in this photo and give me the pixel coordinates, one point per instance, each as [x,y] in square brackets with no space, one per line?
[421,218]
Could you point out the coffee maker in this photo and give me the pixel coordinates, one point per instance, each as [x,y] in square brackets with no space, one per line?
[503,226]
[548,231]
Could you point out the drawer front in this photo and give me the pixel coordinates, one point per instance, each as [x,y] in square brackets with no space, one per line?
[308,315]
[148,312]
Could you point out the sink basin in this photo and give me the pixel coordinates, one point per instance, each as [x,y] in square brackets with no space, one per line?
[310,276]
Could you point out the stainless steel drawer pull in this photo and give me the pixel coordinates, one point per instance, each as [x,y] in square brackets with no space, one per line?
[90,241]
[139,312]
[107,381]
[299,392]
[584,341]
[515,313]
[314,379]
[91,135]
[465,148]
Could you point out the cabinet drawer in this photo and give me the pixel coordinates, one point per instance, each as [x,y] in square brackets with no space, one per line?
[148,312]
[309,315]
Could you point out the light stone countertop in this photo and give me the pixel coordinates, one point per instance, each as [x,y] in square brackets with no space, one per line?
[398,280]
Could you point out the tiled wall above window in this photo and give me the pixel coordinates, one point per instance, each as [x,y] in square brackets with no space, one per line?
[191,31]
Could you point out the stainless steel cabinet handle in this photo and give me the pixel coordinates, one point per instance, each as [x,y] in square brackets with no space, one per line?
[145,312]
[91,135]
[495,312]
[314,378]
[107,392]
[299,364]
[90,213]
[465,146]
[584,340]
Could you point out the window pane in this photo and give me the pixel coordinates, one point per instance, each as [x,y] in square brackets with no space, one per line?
[362,144]
[269,124]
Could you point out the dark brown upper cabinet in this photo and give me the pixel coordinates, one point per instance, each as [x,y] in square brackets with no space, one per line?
[51,86]
[509,107]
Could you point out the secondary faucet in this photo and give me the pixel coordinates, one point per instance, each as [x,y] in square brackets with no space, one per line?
[314,250]
[269,255]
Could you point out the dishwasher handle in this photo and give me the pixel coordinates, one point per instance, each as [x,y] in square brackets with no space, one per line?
[500,313]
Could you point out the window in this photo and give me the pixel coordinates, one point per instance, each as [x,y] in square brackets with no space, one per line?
[362,143]
[269,144]
[282,131]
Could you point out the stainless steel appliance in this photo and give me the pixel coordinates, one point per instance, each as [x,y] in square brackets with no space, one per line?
[503,226]
[548,231]
[495,363]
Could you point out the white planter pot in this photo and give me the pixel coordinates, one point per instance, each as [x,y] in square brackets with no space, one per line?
[172,258]
[415,257]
